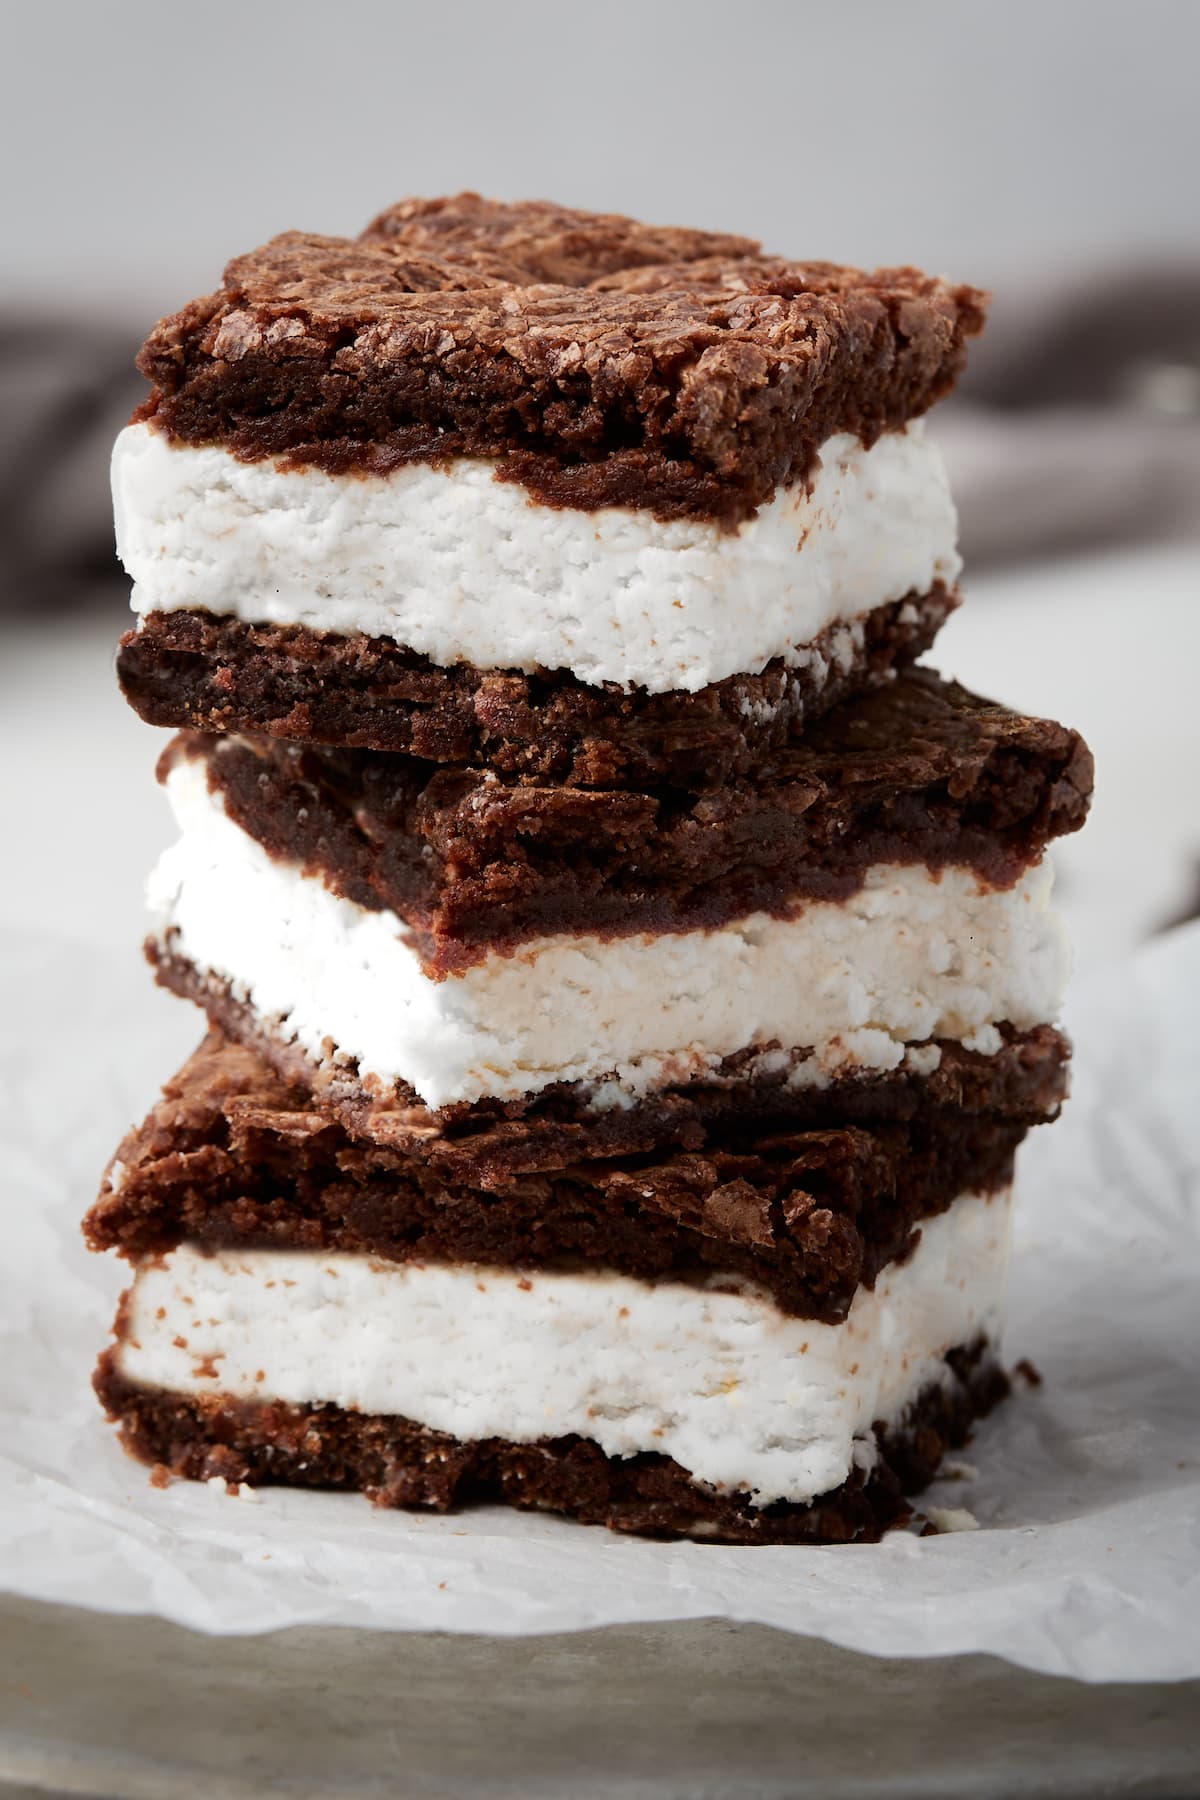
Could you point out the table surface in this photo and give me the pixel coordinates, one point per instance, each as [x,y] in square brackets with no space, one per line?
[103,1706]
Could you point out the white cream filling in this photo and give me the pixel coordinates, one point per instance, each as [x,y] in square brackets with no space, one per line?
[911,956]
[740,1394]
[464,568]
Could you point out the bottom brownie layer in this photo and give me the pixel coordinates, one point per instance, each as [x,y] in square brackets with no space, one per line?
[401,1464]
[1023,1082]
[214,674]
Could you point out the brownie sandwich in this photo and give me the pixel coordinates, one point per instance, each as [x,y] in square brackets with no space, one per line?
[881,887]
[628,979]
[760,1345]
[558,490]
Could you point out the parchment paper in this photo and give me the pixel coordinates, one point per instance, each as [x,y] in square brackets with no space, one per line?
[1087,1492]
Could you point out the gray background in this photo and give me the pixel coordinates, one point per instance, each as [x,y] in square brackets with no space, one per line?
[144,142]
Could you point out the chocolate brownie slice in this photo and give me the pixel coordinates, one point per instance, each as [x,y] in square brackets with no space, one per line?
[191,669]
[232,1155]
[920,772]
[598,361]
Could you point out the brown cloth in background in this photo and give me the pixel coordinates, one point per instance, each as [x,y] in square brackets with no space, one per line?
[66,388]
[1077,425]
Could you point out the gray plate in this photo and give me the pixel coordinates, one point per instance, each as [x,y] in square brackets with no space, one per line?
[144,1710]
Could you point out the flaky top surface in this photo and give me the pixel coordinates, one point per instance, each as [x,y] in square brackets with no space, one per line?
[598,360]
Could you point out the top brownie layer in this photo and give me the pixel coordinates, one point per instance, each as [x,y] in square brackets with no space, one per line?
[600,361]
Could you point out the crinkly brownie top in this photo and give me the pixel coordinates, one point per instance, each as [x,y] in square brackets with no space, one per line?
[597,360]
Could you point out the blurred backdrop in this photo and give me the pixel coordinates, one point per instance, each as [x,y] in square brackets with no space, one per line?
[1047,148]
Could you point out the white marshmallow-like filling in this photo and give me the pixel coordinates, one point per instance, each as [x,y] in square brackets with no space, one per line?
[715,1375]
[463,568]
[913,955]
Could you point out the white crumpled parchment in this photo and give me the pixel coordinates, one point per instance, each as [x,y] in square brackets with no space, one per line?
[1087,1492]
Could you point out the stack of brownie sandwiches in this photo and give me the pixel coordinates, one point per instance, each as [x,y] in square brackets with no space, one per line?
[628,978]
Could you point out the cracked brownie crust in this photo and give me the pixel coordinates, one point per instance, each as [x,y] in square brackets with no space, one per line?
[600,361]
[232,1156]
[919,772]
[398,1463]
[193,670]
